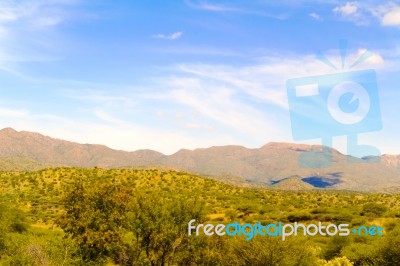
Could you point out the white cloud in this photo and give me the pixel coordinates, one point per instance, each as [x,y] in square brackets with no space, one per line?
[219,104]
[196,50]
[28,30]
[362,13]
[315,16]
[265,82]
[241,98]
[392,17]
[350,8]
[11,113]
[204,5]
[222,104]
[33,14]
[115,133]
[357,12]
[47,21]
[173,36]
[161,113]
[197,126]
[100,97]
[388,14]
[201,106]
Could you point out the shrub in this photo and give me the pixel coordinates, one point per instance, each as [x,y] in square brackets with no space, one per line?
[373,209]
[298,217]
[343,217]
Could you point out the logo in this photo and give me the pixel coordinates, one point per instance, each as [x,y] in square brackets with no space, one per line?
[340,104]
[249,231]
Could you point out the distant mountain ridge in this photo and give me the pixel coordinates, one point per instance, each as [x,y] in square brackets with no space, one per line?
[268,165]
[53,151]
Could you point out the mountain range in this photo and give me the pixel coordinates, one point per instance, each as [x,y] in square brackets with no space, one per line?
[274,165]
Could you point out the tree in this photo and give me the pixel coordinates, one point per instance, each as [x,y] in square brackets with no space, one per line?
[95,217]
[159,225]
[101,217]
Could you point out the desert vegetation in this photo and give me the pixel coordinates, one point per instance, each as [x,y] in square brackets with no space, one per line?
[74,216]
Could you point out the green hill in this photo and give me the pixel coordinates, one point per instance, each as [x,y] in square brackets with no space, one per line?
[292,183]
[97,216]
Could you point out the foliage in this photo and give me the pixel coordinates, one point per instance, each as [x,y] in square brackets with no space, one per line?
[94,217]
[373,209]
[72,216]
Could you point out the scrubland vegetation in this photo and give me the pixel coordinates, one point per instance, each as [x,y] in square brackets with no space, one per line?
[71,216]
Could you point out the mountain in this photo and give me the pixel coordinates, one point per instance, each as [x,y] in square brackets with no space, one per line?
[272,165]
[274,162]
[49,151]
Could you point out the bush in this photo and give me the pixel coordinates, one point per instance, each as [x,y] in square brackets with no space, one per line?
[298,217]
[373,209]
[362,253]
[340,261]
[343,217]
[335,246]
[390,249]
[270,251]
[230,214]
[19,227]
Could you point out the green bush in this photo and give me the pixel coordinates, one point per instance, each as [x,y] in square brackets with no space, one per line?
[298,217]
[342,217]
[373,209]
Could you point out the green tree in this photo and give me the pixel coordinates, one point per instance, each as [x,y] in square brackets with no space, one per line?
[159,225]
[95,217]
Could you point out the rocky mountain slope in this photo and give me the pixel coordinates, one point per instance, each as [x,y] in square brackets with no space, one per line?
[268,165]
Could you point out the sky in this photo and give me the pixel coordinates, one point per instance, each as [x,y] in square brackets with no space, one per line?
[167,75]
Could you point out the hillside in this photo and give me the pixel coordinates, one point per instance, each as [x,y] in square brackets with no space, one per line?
[95,216]
[292,183]
[263,166]
[51,151]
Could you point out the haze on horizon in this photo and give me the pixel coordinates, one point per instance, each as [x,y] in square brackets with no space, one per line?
[184,74]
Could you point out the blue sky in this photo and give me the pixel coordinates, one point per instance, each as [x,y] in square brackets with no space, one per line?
[167,75]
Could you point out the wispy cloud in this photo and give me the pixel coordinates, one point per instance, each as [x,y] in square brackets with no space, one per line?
[356,12]
[263,83]
[222,104]
[196,126]
[173,36]
[223,8]
[348,9]
[368,12]
[197,50]
[100,97]
[388,14]
[204,5]
[315,16]
[116,132]
[33,14]
[29,30]
[12,113]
